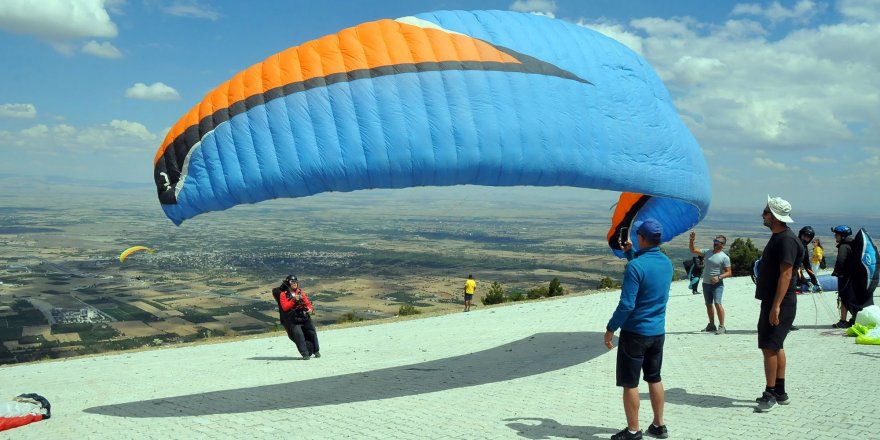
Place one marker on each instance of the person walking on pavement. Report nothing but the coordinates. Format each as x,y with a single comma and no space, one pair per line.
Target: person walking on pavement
776,290
470,286
641,318
717,268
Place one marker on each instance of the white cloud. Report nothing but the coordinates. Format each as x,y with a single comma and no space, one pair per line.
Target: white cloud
860,10
683,28
102,50
22,111
695,70
57,20
814,159
154,92
803,11
764,162
192,9
543,7
116,137
811,89
617,32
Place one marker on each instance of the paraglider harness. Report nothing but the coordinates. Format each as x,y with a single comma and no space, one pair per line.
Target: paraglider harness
299,314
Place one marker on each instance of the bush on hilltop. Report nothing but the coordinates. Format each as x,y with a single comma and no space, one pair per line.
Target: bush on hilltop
408,309
495,295
742,256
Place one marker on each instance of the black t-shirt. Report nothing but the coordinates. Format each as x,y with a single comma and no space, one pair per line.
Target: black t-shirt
843,264
783,247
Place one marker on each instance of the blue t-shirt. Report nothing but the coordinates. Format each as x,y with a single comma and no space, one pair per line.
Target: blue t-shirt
645,292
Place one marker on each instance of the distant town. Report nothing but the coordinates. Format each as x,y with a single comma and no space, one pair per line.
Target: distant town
359,256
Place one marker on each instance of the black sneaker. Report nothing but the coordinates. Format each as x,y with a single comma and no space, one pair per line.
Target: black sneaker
766,402
794,328
658,431
625,435
317,355
781,399
710,328
841,324
305,358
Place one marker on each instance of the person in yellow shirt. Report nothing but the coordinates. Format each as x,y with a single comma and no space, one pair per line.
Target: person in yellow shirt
818,255
469,287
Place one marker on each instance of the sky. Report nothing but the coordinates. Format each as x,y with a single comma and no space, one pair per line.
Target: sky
783,97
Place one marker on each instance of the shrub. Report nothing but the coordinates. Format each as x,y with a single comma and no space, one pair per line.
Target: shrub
555,288
516,295
742,256
538,292
349,317
408,309
608,283
495,295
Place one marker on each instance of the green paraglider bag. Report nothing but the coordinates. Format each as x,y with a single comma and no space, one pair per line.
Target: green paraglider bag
867,340
857,330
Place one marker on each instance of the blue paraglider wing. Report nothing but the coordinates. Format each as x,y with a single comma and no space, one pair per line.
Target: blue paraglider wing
445,98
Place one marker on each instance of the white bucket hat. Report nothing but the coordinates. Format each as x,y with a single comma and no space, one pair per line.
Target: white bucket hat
780,209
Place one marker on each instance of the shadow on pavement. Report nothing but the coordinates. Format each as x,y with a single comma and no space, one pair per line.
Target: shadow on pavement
680,396
873,355
549,428
277,358
727,332
539,353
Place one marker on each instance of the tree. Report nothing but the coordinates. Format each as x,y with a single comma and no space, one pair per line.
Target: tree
742,256
495,295
555,288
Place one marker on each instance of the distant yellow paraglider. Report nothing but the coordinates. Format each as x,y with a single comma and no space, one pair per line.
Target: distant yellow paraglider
132,250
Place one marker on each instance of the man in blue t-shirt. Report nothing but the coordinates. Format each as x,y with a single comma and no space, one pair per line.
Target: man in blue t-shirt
776,290
641,318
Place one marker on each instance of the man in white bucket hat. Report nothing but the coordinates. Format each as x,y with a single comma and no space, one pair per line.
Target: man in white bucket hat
775,287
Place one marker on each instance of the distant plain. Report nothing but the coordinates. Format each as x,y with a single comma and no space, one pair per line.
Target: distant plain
362,254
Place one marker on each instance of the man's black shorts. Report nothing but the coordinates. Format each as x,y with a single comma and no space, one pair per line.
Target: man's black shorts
637,353
773,336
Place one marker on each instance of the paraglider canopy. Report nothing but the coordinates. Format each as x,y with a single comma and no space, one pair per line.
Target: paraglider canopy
132,250
444,98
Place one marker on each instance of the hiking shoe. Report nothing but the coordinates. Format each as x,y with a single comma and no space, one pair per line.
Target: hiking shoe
721,330
317,355
766,402
658,431
841,324
625,435
710,328
781,399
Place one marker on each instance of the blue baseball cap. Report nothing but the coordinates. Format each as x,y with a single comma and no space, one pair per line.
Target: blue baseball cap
651,229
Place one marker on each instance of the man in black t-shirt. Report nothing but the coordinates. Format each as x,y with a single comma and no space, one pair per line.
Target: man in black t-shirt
775,288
